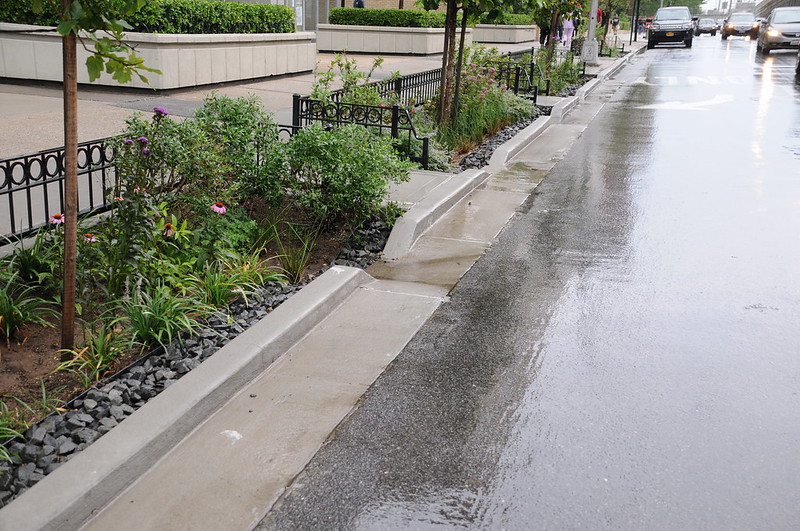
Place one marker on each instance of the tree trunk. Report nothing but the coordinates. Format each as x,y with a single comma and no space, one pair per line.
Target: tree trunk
551,44
448,62
70,63
443,77
459,66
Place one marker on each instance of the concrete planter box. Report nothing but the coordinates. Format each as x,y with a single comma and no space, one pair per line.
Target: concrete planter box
184,60
382,39
505,34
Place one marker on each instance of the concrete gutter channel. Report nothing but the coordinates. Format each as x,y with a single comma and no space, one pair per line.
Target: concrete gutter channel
216,449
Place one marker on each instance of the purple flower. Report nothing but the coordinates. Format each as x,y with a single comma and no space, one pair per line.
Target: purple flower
160,111
142,140
219,208
127,141
145,151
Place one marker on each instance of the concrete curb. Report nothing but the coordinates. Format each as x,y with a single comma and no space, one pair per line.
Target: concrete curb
70,495
425,213
520,141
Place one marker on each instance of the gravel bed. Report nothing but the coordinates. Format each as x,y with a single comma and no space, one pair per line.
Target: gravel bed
60,436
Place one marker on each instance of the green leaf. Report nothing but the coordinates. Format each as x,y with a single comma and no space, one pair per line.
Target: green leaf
94,65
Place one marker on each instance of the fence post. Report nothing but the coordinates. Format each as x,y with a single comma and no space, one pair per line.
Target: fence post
425,154
398,86
296,110
516,79
395,120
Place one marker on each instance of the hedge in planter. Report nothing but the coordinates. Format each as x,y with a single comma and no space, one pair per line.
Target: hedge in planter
393,18
178,16
506,19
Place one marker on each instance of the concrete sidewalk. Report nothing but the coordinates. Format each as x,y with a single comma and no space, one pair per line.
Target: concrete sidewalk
217,448
32,118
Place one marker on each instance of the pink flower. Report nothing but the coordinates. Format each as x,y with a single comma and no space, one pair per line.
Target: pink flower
142,191
219,208
169,230
57,219
118,198
89,237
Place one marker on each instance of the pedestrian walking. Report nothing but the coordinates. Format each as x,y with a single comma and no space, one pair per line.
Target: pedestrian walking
358,3
569,29
615,23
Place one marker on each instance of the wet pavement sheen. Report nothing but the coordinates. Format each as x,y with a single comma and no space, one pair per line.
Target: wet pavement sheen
626,355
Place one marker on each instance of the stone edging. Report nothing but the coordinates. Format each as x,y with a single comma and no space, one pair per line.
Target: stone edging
67,497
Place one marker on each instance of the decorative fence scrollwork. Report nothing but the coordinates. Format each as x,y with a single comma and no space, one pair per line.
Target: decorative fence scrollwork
32,186
392,120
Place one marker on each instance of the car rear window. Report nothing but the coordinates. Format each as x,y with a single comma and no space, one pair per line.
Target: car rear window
787,16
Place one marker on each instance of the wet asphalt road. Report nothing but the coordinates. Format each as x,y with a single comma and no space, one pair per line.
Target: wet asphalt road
627,355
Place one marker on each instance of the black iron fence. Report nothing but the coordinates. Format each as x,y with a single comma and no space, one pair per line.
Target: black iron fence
392,120
409,90
32,186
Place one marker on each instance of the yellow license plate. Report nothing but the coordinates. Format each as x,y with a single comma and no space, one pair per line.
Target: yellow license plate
670,34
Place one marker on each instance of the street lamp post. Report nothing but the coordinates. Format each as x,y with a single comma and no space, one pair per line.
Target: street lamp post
589,49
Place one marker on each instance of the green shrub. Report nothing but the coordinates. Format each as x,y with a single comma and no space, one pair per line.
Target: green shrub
395,18
175,16
343,173
505,19
354,84
248,139
165,158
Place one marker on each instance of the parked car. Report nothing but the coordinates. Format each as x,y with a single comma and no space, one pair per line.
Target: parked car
705,25
740,24
780,30
797,67
671,25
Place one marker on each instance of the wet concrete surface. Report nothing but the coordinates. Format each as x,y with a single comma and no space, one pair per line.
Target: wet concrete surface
626,354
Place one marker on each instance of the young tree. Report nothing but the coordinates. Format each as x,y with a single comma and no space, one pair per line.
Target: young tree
98,25
469,9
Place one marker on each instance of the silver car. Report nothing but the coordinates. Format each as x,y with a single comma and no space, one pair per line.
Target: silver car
781,30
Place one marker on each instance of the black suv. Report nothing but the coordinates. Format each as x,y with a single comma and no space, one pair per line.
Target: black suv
671,24
741,24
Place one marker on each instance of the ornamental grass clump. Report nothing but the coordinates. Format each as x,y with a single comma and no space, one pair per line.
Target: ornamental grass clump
156,315
20,306
103,344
